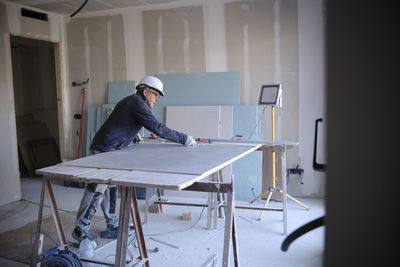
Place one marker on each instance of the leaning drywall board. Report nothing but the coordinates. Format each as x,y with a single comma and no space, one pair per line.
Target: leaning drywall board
119,90
159,113
200,89
248,170
201,121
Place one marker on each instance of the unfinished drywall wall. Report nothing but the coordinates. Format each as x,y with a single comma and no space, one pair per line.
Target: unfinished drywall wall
259,38
174,40
96,50
9,175
262,42
11,22
39,27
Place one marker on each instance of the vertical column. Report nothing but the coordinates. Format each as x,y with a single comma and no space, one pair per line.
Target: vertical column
284,189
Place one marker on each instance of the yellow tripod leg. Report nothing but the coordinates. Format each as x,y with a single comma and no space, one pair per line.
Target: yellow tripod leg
266,204
260,196
295,200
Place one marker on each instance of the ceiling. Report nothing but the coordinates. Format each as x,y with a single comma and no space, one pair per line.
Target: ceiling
70,6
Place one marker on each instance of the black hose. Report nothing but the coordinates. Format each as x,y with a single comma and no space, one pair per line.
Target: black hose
79,9
301,231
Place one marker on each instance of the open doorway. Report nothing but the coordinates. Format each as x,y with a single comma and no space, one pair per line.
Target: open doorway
36,103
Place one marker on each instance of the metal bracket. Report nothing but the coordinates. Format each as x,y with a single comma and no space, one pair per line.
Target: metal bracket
274,189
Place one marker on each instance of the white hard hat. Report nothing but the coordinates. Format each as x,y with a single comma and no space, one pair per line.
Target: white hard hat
153,82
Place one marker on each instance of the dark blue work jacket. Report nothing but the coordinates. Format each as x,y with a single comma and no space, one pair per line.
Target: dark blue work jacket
127,119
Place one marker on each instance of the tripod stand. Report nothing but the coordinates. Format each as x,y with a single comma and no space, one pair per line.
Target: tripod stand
274,189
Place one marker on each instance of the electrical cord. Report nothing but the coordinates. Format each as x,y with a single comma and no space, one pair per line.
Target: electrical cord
44,205
79,9
181,231
254,196
257,124
13,211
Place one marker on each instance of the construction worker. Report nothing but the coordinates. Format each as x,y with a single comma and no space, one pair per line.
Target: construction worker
122,126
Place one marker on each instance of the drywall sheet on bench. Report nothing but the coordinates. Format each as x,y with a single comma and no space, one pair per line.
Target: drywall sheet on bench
201,89
163,157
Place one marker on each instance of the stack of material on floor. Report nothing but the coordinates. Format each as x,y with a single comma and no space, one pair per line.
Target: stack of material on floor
37,148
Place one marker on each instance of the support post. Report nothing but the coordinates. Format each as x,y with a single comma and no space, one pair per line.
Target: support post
39,225
56,215
138,228
122,240
230,230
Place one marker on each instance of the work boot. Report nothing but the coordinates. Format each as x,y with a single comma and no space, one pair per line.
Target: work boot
78,235
112,232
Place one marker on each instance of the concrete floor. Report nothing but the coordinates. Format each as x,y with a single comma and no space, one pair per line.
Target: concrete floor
259,241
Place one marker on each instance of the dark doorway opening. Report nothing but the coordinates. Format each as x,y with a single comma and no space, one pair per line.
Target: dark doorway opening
35,100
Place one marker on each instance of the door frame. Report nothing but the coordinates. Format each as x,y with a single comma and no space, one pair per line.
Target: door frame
59,88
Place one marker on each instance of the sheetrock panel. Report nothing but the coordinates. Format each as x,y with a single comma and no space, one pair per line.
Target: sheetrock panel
247,122
39,27
248,176
200,89
174,40
201,121
226,122
9,174
96,50
159,113
119,90
165,157
248,170
155,179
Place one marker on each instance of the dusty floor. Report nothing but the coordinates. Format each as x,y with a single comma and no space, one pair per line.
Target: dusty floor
259,241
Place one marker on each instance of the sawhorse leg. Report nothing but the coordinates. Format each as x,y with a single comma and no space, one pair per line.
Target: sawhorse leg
230,225
46,188
220,196
230,230
129,206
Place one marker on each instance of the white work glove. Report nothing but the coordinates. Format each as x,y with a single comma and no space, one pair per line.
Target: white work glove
190,141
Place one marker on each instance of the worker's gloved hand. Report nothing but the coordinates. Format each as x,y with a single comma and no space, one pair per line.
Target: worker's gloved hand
190,141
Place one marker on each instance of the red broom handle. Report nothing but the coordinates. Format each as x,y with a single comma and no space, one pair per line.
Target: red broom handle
80,127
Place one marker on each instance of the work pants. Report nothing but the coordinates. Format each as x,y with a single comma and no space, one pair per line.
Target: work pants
94,195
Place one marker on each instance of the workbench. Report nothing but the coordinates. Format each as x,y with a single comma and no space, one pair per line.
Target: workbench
152,165
215,201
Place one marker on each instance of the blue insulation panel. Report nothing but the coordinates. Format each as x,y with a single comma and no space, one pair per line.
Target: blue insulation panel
118,90
159,113
247,170
201,89
248,176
